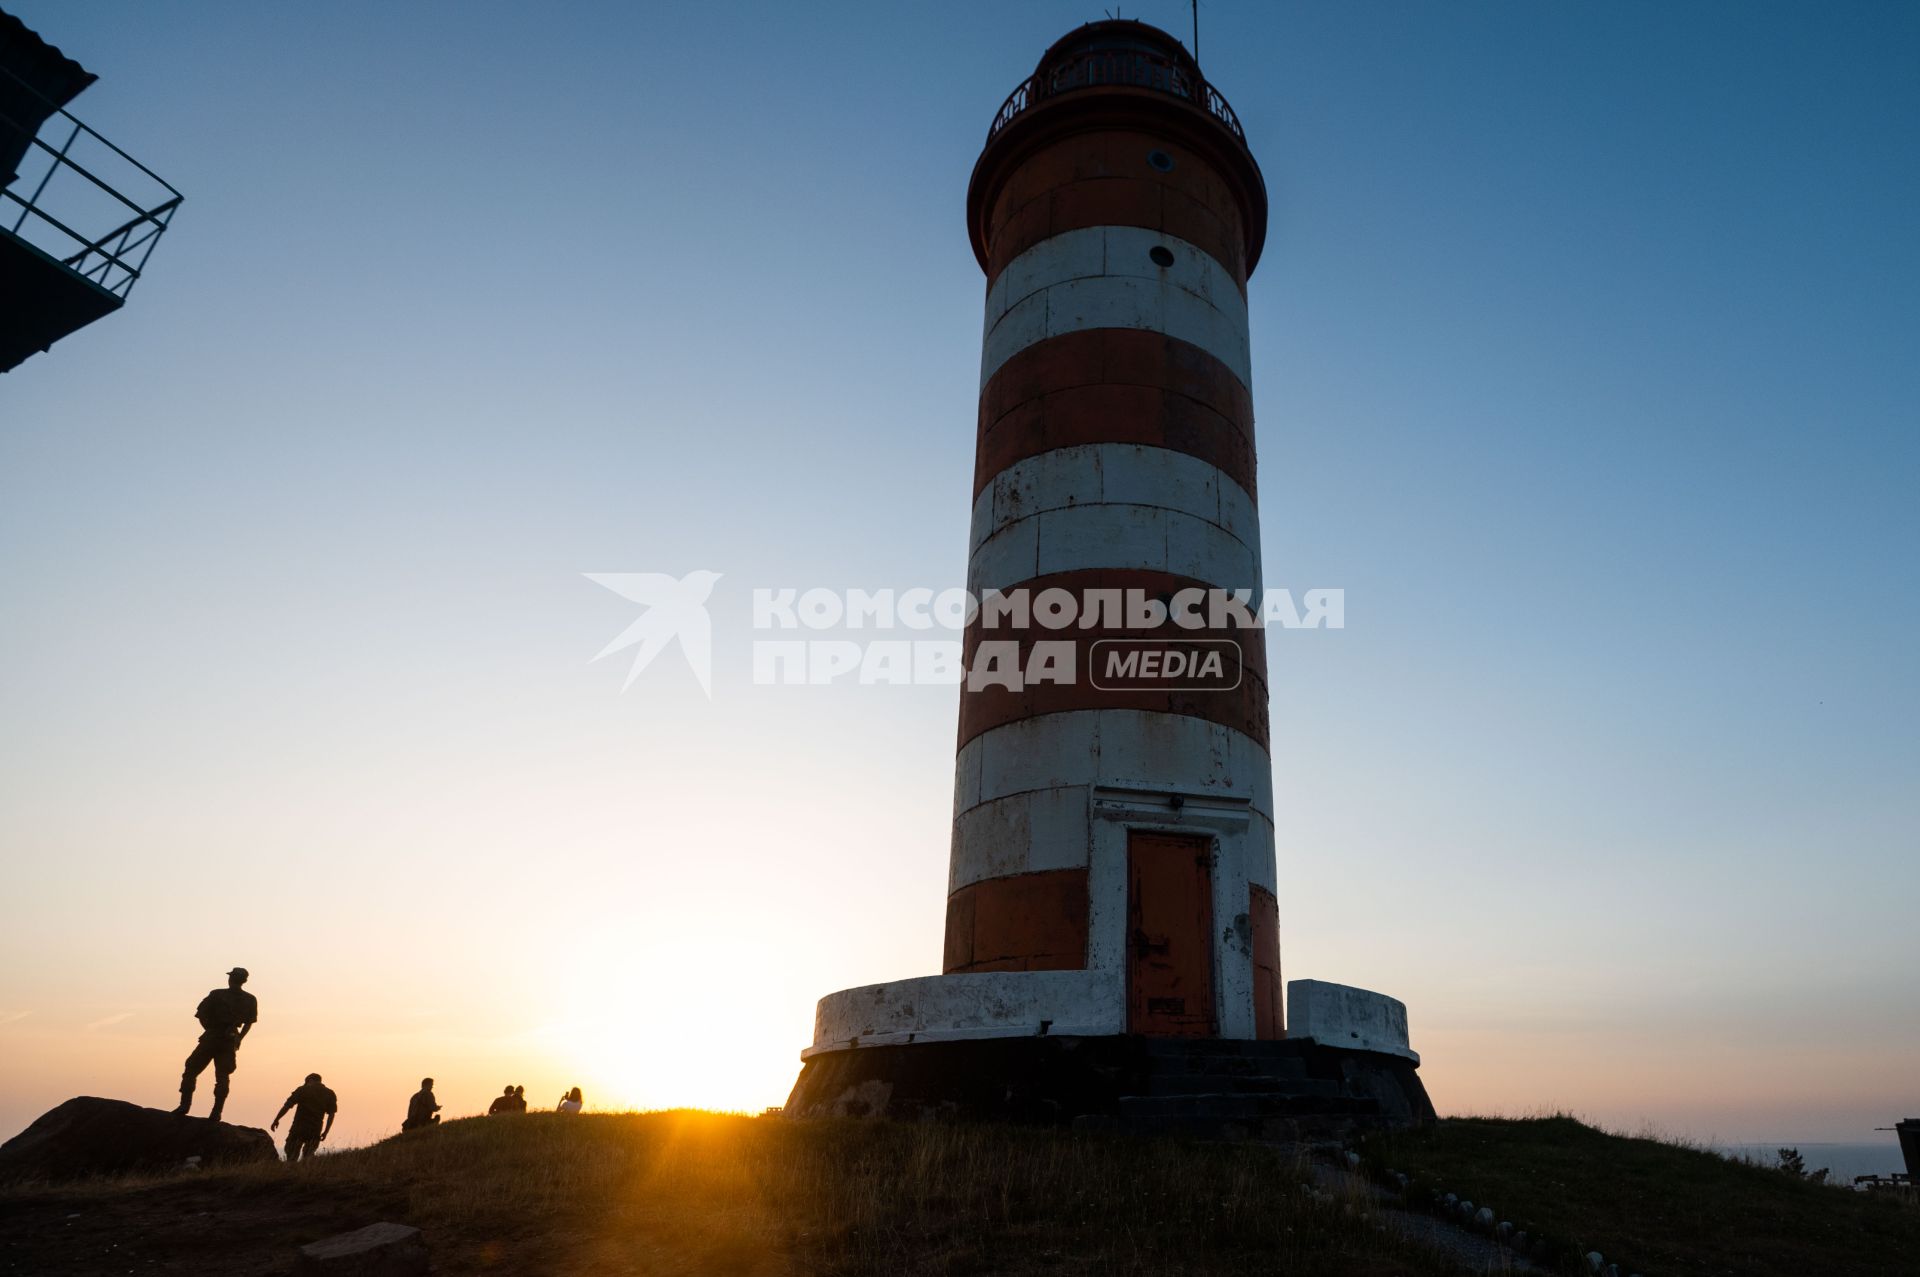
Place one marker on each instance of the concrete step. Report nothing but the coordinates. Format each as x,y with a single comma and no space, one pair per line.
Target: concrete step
1218,1051
1287,1128
1226,1106
1239,1116
1249,1084
1218,1046
1225,1066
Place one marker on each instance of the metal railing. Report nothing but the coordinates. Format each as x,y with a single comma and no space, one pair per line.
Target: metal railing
113,260
1126,67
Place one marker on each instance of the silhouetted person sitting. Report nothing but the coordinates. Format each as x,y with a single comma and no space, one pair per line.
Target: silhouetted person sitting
502,1103
570,1102
225,1015
519,1099
422,1109
310,1102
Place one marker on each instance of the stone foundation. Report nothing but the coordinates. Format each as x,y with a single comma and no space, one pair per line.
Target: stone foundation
1192,1086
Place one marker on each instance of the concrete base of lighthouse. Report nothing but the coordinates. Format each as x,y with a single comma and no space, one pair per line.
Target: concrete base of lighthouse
1051,1047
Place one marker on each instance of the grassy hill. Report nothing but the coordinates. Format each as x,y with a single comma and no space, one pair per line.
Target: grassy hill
687,1192
1654,1207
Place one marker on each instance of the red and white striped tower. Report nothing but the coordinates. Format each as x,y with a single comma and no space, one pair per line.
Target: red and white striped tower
1117,212
1112,867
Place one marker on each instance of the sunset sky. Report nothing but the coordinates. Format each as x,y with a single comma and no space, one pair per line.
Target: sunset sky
1584,356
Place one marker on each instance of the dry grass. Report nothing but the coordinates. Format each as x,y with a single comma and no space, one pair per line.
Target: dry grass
688,1192
1654,1205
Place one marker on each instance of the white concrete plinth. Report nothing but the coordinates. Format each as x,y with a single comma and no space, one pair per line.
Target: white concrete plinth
1340,1015
987,1004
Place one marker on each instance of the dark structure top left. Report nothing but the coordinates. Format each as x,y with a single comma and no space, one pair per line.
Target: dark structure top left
78,216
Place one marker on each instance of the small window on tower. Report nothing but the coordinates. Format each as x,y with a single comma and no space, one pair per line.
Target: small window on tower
1160,160
1161,255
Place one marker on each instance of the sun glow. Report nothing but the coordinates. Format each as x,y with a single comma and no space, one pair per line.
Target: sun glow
652,1029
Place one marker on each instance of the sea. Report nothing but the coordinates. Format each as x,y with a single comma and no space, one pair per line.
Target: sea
1844,1160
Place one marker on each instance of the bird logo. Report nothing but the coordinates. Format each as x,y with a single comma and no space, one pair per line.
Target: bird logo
676,609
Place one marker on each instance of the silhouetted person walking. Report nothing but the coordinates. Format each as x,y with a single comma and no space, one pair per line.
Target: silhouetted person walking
225,1015
502,1103
310,1102
422,1109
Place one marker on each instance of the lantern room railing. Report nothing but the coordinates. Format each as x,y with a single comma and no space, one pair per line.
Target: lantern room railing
69,188
1130,67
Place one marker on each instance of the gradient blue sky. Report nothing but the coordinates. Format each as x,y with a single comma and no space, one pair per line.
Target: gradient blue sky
1585,362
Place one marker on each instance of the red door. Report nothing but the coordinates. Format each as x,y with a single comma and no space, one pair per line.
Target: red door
1169,935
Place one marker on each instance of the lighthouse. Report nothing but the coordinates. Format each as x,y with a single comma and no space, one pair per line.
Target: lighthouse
78,215
1112,823
1112,939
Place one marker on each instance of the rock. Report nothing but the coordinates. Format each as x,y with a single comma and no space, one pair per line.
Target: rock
89,1136
378,1250
1483,1218
1449,1201
1464,1210
1594,1261
1353,1161
1504,1230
